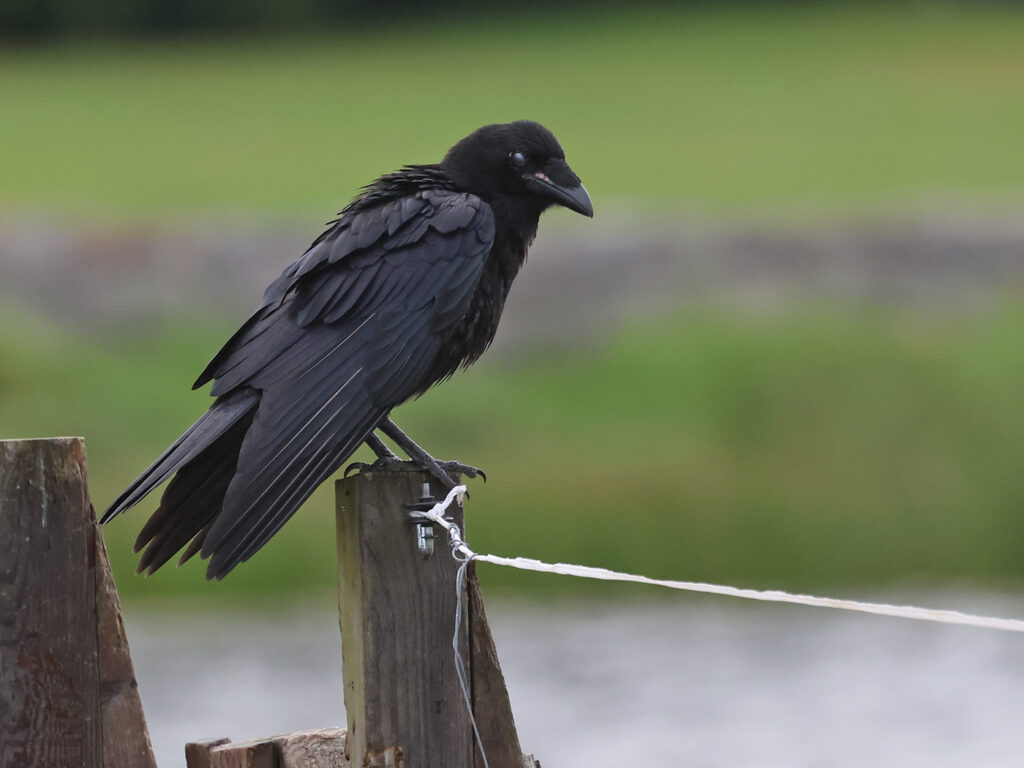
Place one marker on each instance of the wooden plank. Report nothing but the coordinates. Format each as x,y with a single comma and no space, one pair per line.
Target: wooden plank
197,753
397,615
125,735
260,753
50,707
324,748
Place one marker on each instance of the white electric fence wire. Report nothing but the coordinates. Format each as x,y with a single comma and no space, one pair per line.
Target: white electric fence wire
464,553
770,596
464,556
460,664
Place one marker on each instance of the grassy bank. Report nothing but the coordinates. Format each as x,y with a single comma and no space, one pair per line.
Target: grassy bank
809,447
838,105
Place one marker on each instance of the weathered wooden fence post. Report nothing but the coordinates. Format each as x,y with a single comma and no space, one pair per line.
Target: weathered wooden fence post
397,615
67,689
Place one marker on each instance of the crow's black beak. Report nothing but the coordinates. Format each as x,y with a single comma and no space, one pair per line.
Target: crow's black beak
572,196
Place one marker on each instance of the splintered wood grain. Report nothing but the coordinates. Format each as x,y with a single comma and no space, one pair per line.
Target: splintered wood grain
256,754
397,616
125,735
491,706
324,748
49,707
321,748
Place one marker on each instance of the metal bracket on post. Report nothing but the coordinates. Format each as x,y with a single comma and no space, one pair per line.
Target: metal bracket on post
425,533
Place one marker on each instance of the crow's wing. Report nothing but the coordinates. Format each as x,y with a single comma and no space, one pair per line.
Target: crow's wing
349,331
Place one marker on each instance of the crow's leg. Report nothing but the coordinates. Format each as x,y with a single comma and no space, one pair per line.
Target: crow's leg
446,472
386,458
377,445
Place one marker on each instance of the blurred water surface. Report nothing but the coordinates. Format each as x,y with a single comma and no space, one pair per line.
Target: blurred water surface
689,682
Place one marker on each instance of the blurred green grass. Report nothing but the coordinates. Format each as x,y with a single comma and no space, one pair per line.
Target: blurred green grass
744,107
810,447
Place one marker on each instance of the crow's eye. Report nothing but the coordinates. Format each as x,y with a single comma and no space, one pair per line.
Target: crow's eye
517,159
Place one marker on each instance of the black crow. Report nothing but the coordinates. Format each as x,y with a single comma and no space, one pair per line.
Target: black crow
404,287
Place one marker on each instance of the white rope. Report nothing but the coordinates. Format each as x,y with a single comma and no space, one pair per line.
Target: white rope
463,553
771,596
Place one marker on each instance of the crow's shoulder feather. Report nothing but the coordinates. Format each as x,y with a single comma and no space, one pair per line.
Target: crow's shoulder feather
386,246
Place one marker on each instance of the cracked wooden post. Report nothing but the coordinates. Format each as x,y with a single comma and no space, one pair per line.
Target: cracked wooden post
397,615
69,697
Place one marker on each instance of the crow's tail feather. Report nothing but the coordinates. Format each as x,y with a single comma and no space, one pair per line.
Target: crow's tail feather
191,501
220,420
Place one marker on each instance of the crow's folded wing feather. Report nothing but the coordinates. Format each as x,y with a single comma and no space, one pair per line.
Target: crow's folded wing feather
349,331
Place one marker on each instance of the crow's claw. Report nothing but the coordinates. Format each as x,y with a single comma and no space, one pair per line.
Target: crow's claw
380,465
458,468
356,466
447,472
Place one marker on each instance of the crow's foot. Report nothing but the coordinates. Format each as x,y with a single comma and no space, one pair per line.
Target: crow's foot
446,472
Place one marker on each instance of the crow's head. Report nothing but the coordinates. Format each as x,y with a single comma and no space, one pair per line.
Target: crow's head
521,162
